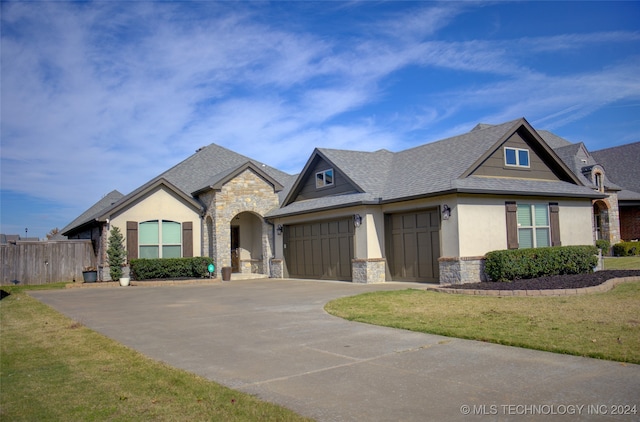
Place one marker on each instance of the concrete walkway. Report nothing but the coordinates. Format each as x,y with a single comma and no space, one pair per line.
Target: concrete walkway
273,339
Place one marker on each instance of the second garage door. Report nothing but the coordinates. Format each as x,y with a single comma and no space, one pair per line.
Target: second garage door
321,250
413,245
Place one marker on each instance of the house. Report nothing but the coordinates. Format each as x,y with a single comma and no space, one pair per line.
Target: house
622,166
428,214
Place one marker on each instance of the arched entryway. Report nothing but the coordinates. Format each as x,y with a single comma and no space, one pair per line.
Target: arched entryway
601,224
247,254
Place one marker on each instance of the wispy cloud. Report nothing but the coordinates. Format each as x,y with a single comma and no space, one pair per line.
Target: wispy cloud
106,95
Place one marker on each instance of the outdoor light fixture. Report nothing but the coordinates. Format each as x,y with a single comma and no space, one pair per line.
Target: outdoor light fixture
357,220
279,229
446,212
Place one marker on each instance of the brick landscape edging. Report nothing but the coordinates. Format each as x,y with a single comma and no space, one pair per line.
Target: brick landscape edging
600,288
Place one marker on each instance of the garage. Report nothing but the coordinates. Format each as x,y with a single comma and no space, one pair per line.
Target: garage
413,245
320,250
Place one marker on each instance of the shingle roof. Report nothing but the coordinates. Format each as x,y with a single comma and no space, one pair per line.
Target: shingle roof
621,165
428,170
94,211
205,168
212,163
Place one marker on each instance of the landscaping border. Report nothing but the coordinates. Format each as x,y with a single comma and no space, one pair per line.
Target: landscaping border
600,288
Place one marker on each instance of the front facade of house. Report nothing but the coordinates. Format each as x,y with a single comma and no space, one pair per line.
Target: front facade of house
428,214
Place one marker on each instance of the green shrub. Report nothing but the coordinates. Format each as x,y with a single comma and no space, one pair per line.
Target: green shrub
604,246
518,264
146,269
626,249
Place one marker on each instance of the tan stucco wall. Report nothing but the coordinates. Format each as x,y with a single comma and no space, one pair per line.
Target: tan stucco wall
160,205
483,227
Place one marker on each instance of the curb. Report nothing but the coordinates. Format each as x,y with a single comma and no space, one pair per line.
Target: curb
600,288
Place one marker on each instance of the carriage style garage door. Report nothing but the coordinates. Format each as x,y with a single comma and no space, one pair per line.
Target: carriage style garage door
413,245
321,250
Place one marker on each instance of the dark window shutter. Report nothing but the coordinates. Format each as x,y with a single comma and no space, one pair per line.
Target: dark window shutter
187,239
554,221
512,225
132,240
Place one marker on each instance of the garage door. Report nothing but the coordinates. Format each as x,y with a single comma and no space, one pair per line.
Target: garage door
321,250
413,245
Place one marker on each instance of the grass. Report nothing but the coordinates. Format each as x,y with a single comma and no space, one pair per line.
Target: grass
602,325
53,368
622,263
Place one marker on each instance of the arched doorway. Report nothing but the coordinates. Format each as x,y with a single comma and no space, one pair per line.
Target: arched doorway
601,224
246,243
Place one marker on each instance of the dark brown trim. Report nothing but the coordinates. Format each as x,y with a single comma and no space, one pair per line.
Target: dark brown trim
554,222
187,239
132,240
511,209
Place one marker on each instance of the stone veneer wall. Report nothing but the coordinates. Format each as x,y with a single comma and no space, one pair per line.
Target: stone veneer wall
611,225
277,268
459,270
368,270
247,192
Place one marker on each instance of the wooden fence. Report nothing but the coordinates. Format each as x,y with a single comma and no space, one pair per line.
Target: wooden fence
32,263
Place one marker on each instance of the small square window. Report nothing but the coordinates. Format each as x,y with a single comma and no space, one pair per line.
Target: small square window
324,178
516,157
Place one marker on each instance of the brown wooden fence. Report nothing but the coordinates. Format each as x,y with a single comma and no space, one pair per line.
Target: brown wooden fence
45,262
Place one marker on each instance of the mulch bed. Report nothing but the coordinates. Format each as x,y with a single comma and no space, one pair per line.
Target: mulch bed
574,281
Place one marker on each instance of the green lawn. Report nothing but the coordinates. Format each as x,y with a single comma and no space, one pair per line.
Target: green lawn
622,263
55,369
602,325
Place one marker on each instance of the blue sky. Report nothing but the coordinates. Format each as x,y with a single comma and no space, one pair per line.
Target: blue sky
98,96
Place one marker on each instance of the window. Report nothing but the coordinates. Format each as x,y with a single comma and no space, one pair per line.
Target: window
324,178
598,181
516,157
534,230
160,239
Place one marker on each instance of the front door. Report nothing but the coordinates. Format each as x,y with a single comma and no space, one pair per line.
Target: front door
235,249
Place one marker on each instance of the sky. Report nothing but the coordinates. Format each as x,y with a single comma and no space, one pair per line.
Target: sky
105,95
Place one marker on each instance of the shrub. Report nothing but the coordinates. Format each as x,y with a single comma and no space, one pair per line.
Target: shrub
626,249
604,246
145,269
116,253
518,264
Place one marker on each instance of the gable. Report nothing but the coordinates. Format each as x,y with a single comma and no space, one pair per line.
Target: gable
310,188
541,164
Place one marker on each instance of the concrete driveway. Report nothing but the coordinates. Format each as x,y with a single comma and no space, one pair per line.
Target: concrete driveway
272,338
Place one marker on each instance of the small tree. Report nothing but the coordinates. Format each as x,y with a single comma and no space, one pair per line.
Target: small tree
116,253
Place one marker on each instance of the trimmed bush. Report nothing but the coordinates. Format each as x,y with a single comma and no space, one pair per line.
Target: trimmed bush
147,269
516,264
604,246
626,249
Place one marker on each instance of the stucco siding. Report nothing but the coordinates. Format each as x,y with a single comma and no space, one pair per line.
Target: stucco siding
576,222
160,205
482,225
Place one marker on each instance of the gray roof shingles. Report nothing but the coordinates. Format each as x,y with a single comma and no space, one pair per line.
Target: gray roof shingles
622,165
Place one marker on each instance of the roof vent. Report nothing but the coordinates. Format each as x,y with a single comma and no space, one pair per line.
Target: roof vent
200,149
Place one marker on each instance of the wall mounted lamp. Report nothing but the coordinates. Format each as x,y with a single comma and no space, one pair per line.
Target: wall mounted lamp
357,220
279,229
446,212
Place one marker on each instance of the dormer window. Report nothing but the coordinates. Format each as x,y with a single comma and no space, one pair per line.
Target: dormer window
324,178
516,157
598,181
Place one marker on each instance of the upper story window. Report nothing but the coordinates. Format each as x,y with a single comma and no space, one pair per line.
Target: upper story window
516,157
598,181
324,178
160,239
